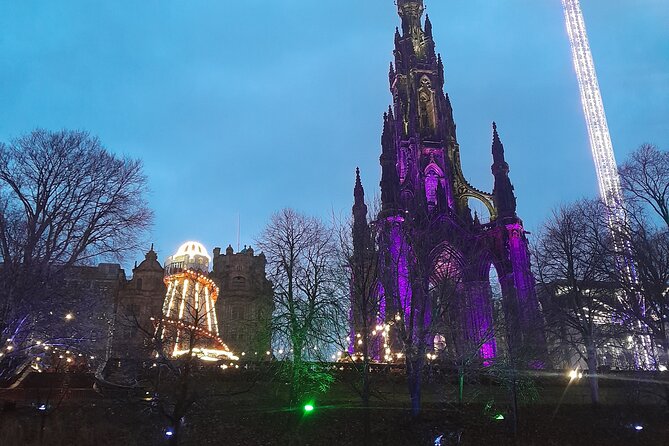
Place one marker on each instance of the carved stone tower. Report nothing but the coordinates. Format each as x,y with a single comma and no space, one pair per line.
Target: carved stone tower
434,256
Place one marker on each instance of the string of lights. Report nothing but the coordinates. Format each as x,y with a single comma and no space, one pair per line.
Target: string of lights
601,146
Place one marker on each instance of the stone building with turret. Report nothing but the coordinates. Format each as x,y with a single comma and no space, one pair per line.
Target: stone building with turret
138,303
245,303
243,308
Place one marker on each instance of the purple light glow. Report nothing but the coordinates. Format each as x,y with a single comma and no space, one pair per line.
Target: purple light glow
399,256
522,276
480,319
431,180
399,264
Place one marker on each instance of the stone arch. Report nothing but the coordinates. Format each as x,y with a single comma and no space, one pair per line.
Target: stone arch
466,196
475,307
447,264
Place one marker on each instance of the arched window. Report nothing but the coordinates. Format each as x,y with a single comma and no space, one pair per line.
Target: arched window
432,177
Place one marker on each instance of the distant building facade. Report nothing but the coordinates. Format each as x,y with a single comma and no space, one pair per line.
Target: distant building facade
90,297
613,339
139,302
245,303
120,315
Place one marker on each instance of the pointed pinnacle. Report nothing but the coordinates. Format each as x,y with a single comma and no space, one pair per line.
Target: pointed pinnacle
358,191
495,136
497,146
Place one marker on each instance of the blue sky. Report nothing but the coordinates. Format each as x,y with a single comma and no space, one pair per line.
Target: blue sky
242,108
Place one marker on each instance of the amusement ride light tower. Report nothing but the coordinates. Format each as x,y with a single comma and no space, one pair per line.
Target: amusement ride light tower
593,108
189,323
601,146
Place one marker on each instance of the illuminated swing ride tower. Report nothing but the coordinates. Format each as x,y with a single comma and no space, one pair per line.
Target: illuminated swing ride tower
593,109
189,320
602,147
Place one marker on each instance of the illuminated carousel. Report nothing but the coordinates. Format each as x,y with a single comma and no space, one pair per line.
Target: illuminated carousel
189,324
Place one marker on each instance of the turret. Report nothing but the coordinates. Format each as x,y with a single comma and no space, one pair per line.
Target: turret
428,27
389,178
505,201
358,192
410,11
360,225
151,255
440,70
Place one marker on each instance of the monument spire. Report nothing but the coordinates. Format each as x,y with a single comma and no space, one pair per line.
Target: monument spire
360,226
411,12
505,201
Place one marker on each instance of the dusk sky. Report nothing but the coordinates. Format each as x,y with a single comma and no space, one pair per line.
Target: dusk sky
242,108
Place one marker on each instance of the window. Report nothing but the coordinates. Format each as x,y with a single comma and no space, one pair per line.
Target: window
238,282
431,181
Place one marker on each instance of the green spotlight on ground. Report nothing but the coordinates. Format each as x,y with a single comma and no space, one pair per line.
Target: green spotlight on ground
499,416
308,408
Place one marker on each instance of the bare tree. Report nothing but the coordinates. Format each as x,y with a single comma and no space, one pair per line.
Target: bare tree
645,179
646,284
175,345
451,304
302,258
64,201
578,300
361,333
414,262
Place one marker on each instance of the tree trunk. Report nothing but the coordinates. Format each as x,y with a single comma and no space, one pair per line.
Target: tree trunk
666,360
414,375
461,384
365,400
295,374
592,371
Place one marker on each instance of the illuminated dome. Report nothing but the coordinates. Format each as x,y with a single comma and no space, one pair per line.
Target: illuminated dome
191,249
190,255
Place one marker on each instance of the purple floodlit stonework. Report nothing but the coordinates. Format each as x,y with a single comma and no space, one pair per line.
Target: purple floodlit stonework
398,252
432,252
